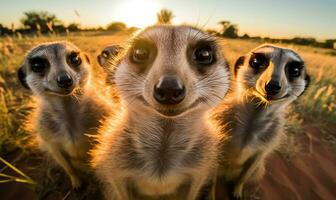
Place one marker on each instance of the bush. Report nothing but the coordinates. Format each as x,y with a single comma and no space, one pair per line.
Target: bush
117,26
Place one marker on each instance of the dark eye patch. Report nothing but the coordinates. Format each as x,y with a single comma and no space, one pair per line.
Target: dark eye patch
202,55
105,54
294,68
38,64
259,61
142,52
74,59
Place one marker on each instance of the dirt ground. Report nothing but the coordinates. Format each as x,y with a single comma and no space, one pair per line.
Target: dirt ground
309,174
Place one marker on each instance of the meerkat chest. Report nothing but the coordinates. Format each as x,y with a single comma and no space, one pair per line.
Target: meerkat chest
63,129
256,128
165,152
60,124
163,161
254,132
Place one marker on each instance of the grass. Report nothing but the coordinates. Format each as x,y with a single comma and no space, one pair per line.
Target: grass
317,104
8,178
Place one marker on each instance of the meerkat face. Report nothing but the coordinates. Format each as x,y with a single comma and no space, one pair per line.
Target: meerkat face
172,69
55,68
108,54
272,73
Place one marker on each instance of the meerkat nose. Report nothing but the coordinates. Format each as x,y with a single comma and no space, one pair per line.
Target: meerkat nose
64,80
169,90
273,87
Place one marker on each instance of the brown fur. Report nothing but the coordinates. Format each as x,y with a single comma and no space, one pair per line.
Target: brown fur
153,151
63,118
252,122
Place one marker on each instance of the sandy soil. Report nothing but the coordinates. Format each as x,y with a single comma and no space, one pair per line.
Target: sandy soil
311,174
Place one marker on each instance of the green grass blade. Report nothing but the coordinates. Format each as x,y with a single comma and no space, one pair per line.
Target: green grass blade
7,176
6,181
13,178
14,168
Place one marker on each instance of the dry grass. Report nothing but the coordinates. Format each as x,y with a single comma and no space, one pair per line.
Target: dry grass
317,104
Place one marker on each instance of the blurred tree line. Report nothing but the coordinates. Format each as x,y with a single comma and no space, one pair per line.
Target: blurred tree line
39,22
230,30
34,22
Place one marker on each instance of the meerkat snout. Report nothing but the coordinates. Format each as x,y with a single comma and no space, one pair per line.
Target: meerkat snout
169,90
272,87
64,80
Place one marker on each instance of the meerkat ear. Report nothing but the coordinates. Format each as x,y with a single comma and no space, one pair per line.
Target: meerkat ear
22,77
239,62
307,79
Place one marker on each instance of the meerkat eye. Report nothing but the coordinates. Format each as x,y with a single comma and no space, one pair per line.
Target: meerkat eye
204,55
105,54
258,60
140,54
38,64
75,59
294,68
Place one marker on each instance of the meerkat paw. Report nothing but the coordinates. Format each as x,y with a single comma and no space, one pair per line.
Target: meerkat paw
238,191
75,182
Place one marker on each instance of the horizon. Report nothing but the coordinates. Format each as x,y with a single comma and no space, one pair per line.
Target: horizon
258,18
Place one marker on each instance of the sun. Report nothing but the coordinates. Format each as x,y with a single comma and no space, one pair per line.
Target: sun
139,13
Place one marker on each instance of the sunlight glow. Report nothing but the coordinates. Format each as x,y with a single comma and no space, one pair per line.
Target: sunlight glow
139,13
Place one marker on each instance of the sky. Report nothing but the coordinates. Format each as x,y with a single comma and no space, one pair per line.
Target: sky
276,19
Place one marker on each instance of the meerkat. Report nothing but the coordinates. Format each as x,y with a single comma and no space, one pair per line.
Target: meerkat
68,107
162,145
267,80
106,60
108,54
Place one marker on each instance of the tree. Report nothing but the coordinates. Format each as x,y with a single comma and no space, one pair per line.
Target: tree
229,30
330,44
212,32
117,26
73,27
225,24
245,36
132,29
4,30
1,29
164,16
41,21
304,41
